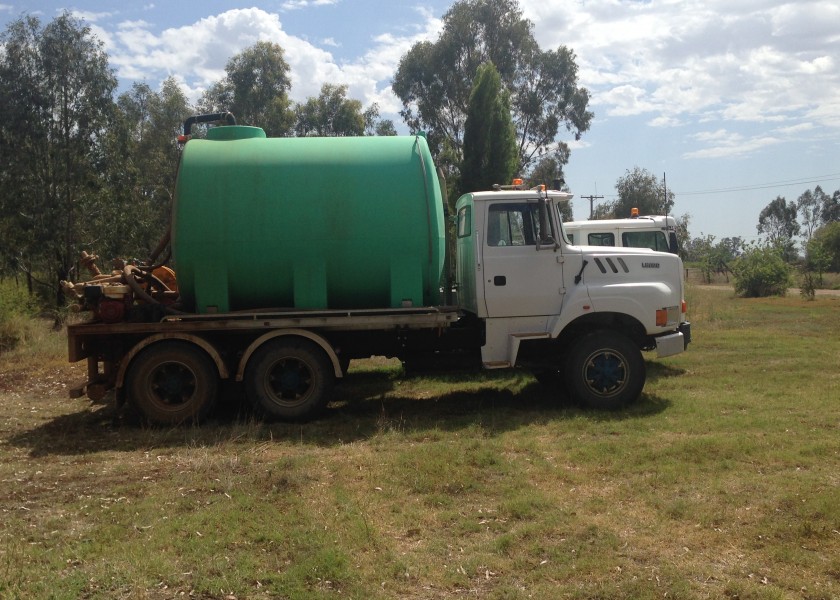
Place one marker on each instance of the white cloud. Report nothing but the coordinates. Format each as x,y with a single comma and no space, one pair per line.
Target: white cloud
90,16
701,59
196,54
725,144
761,68
299,4
797,129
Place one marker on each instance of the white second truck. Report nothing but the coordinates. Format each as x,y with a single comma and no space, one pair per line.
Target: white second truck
657,232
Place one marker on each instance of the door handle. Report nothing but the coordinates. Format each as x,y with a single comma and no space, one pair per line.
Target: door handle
499,280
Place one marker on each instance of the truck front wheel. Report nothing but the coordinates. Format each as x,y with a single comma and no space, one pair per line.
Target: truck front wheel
289,380
605,370
172,382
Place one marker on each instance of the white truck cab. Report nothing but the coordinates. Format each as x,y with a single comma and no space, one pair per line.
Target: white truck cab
587,311
655,232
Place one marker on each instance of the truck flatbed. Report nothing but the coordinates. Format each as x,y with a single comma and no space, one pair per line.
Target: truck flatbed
371,319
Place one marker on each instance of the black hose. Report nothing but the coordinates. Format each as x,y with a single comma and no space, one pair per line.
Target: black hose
131,281
227,117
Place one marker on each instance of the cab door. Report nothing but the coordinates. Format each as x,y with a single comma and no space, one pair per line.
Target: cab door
522,265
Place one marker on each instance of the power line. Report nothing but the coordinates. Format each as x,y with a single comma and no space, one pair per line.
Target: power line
744,188
764,186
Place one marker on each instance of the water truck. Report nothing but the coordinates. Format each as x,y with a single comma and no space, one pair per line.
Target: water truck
289,257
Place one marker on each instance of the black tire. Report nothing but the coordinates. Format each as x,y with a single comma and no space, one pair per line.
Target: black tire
605,371
172,382
289,380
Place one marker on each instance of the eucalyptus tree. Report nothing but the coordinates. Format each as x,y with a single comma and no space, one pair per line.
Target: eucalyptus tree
549,172
255,89
640,189
332,114
434,81
56,89
777,221
140,166
810,205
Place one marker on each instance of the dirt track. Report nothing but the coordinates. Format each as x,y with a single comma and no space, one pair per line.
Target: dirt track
791,291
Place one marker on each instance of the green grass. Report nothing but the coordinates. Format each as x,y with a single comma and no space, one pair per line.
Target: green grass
722,482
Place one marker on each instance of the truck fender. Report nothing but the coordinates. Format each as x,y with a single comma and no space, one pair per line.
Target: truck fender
324,344
203,344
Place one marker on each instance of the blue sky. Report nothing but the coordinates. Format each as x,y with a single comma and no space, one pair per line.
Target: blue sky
735,101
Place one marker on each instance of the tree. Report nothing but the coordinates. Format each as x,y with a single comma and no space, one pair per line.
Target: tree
384,127
777,221
548,171
683,236
433,81
831,208
140,166
824,247
489,137
332,113
56,89
640,189
810,205
376,126
255,89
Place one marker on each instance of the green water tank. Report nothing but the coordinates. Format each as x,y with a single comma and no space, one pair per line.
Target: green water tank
309,223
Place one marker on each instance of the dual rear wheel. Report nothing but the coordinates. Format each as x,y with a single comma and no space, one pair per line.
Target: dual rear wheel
289,379
173,382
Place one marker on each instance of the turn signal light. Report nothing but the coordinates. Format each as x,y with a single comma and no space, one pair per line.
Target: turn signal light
662,317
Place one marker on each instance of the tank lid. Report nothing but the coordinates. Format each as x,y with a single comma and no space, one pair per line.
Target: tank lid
234,132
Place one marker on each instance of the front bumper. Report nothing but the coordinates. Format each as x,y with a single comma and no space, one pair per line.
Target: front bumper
685,329
674,343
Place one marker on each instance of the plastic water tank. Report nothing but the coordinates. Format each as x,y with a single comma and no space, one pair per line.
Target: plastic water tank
307,223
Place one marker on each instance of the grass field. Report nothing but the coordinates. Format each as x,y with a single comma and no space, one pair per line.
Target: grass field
722,482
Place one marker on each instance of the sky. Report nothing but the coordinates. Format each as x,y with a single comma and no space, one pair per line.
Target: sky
733,102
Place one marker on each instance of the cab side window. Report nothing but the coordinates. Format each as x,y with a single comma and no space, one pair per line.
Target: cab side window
509,225
464,222
601,239
517,224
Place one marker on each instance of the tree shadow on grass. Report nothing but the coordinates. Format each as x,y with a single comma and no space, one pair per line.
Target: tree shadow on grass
367,404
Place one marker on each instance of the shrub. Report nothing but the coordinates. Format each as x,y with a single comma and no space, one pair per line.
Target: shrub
761,271
16,307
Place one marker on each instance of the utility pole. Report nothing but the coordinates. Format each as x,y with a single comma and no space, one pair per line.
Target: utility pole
591,204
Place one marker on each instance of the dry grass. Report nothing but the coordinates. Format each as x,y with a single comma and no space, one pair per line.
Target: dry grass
721,482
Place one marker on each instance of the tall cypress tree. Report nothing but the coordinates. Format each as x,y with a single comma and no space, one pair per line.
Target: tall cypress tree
490,152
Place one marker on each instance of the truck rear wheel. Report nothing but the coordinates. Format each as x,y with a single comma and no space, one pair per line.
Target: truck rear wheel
289,379
172,382
605,370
